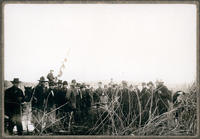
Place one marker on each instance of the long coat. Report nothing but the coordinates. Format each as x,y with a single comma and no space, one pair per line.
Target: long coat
162,98
96,95
50,99
125,99
13,99
71,96
145,99
39,95
60,96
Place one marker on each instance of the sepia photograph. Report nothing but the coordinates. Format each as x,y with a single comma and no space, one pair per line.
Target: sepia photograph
104,69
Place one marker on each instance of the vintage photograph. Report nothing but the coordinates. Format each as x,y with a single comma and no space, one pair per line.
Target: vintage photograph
100,69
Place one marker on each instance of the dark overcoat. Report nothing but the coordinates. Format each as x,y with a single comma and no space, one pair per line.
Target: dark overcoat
39,95
162,98
14,97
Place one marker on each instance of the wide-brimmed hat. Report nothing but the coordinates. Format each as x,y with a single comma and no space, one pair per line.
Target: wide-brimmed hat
42,79
15,80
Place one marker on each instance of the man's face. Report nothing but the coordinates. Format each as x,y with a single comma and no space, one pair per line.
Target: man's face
159,83
124,85
99,85
144,85
51,87
43,83
149,86
83,89
65,86
16,84
59,85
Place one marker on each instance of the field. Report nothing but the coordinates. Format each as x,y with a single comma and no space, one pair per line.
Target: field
107,120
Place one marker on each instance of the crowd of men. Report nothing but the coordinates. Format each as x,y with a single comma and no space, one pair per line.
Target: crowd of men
77,97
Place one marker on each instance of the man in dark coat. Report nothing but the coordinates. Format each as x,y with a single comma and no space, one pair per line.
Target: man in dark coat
14,97
50,97
39,95
85,102
38,103
145,103
134,105
125,100
60,97
152,103
163,97
71,95
97,93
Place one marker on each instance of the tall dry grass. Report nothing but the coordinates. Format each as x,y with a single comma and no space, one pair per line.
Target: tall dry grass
108,119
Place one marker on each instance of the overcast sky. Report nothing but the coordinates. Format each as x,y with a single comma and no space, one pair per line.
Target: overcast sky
135,42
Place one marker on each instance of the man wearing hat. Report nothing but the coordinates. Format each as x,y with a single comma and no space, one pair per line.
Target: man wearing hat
85,102
152,100
163,96
50,97
98,92
60,97
125,99
14,97
39,95
145,96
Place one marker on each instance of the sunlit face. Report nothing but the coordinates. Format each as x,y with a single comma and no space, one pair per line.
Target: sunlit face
65,86
83,89
99,85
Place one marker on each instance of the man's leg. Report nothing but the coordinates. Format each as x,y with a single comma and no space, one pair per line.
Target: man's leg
19,127
19,124
11,125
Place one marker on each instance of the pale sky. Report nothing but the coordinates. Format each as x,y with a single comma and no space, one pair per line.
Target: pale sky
134,42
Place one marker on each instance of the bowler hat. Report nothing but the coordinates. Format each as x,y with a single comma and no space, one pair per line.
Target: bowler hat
143,83
59,81
99,82
124,82
42,79
73,81
150,83
16,80
65,83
